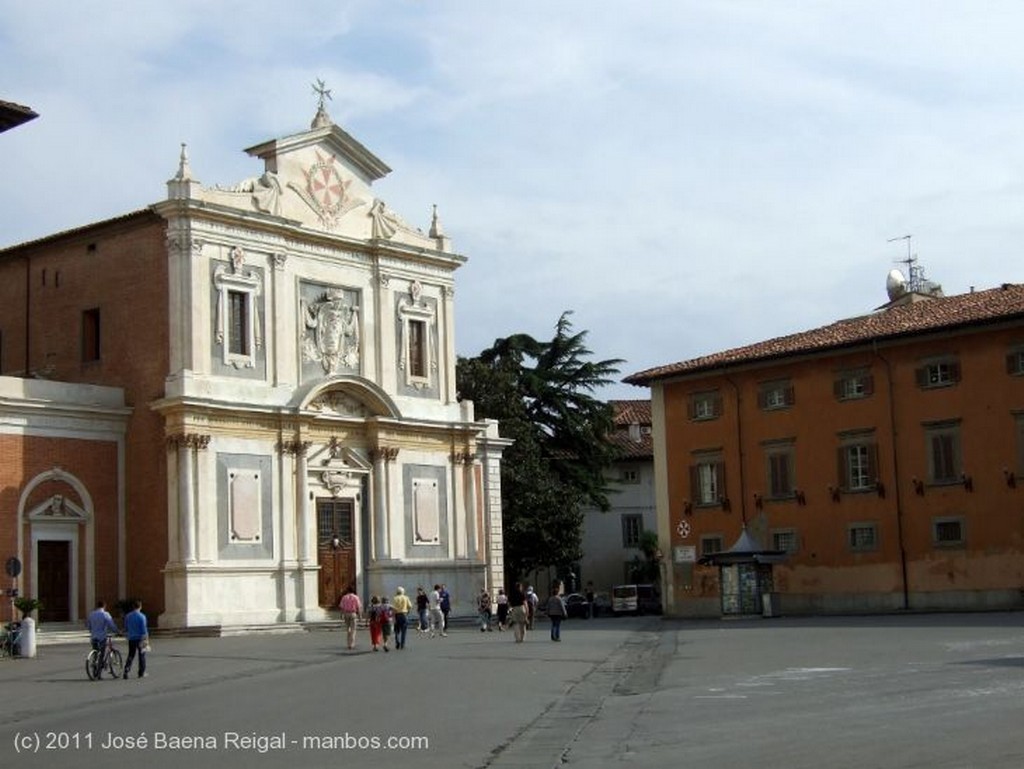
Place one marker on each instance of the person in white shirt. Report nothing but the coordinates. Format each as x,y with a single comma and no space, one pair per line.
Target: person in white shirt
436,615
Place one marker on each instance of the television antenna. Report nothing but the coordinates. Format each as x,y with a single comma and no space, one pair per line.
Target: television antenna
915,272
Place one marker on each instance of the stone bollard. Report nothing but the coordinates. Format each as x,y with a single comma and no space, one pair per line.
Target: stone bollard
28,637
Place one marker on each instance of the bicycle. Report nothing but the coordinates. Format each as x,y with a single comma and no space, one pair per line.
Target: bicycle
10,640
106,659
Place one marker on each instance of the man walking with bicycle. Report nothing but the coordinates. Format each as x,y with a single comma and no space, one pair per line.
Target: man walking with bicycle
100,625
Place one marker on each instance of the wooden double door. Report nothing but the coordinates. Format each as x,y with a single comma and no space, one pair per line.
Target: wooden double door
54,576
336,552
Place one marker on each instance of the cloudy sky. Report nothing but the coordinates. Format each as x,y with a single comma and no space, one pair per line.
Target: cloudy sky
684,176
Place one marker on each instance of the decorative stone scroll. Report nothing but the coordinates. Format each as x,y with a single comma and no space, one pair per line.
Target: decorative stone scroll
192,441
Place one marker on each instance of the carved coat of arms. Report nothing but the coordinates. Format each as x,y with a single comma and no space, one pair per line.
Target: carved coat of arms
332,332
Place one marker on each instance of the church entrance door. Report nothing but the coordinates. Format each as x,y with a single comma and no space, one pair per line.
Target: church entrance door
54,580
336,550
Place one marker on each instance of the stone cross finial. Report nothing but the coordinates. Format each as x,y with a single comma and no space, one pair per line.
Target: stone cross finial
323,93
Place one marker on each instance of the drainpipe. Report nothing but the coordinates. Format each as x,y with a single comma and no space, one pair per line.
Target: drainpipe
896,475
739,448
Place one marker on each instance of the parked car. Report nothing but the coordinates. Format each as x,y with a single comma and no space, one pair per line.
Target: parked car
636,599
576,605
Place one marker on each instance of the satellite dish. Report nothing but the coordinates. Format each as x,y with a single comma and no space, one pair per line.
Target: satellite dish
895,285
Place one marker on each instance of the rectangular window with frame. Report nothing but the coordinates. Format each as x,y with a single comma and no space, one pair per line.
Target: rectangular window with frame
705,406
938,373
948,532
91,335
943,446
707,479
238,322
858,461
862,537
853,385
785,540
629,475
780,461
776,395
711,543
1015,362
417,348
632,528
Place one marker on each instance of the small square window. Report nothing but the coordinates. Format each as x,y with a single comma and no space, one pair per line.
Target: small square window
705,406
943,373
853,385
862,537
948,532
776,395
786,540
630,475
711,544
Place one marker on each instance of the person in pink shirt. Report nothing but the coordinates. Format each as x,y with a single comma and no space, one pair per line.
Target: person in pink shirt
351,607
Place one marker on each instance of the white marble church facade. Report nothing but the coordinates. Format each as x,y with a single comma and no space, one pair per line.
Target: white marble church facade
313,432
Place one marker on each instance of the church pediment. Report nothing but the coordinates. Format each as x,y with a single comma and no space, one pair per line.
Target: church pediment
348,396
321,178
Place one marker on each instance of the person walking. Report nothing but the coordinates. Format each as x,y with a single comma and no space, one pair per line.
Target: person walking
502,602
137,630
375,630
436,615
387,618
446,605
351,607
517,611
484,608
531,607
100,625
556,610
422,603
401,606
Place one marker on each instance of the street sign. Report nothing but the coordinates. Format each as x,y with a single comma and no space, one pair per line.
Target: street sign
684,554
12,567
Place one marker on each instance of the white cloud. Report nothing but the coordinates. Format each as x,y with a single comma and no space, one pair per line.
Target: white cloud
687,176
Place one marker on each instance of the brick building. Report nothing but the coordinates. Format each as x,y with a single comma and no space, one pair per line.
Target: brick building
285,346
884,454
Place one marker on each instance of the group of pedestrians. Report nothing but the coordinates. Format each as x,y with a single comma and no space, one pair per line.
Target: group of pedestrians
101,626
517,610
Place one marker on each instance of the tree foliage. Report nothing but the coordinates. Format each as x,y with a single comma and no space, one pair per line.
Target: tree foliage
542,393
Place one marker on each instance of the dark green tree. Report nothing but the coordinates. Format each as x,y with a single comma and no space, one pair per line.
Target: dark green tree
542,393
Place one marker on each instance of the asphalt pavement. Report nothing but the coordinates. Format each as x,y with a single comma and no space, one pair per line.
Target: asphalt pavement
937,691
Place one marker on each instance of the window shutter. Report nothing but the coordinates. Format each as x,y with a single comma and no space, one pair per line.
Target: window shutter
922,376
716,405
843,471
762,398
789,395
869,384
720,476
1011,363
954,371
694,484
691,407
838,387
873,462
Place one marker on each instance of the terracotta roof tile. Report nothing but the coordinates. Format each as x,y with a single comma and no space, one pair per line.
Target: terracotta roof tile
632,412
927,316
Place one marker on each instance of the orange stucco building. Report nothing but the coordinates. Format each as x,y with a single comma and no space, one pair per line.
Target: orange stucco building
883,455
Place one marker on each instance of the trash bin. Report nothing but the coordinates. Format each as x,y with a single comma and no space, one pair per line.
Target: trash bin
769,604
